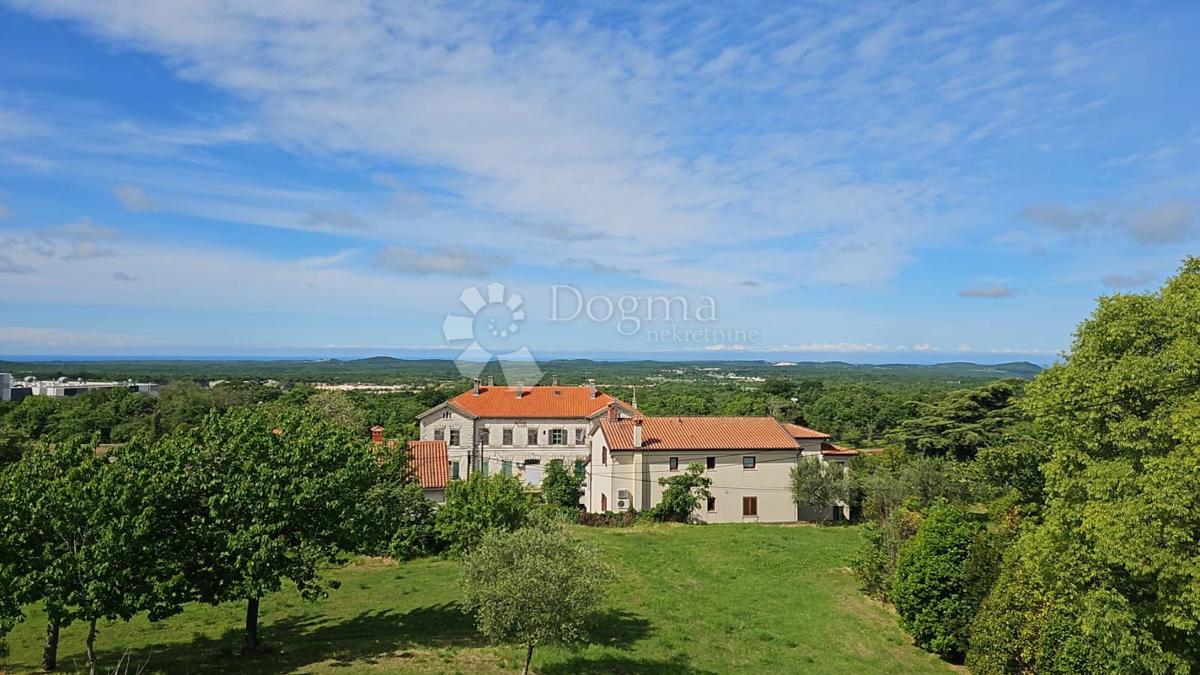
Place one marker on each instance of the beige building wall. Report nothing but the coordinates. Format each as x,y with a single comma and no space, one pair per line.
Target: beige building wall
613,475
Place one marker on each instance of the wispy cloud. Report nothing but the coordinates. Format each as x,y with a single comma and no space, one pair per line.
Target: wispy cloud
1169,222
987,292
88,250
124,276
7,266
452,260
1121,280
332,220
593,265
133,198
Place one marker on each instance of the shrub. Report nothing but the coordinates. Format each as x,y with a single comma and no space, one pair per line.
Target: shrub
560,487
480,504
610,518
682,494
931,590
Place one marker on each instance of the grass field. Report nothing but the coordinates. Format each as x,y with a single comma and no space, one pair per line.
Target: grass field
712,599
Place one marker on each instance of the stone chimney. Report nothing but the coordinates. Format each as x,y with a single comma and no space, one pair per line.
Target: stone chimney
637,432
612,411
553,380
591,388
491,381
520,389
377,434
475,387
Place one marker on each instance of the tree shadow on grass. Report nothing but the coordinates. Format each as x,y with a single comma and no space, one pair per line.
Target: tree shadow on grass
296,641
612,664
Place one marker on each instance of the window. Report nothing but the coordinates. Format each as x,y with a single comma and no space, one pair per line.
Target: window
445,414
710,463
673,463
558,437
506,467
454,470
604,455
439,434
506,437
712,503
532,436
579,433
749,506
532,462
454,437
749,462
485,436
603,502
579,467
483,466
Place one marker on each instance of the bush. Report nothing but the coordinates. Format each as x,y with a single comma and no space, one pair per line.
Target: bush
610,518
682,494
478,505
931,590
874,564
560,487
397,520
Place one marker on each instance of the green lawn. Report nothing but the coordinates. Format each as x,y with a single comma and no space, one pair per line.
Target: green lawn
685,599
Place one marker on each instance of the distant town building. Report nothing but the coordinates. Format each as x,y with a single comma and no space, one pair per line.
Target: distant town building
518,430
13,390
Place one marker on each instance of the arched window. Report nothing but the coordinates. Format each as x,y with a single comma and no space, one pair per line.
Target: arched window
604,455
604,502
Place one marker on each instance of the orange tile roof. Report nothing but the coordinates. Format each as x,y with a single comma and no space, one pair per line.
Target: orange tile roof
429,462
534,402
700,433
837,450
798,431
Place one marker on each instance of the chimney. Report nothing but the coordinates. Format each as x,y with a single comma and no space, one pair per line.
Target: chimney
520,389
491,381
637,433
591,388
634,401
475,387
612,411
377,434
553,380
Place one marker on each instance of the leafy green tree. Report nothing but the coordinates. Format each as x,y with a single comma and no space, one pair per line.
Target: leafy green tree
962,422
13,443
682,494
338,408
475,506
182,403
535,586
96,536
1016,469
1108,581
270,494
817,486
395,518
930,590
560,487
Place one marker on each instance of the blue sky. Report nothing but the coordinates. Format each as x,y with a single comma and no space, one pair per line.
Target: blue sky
866,181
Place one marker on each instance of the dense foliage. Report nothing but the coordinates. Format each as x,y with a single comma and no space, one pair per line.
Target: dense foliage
681,494
561,487
817,485
534,586
478,505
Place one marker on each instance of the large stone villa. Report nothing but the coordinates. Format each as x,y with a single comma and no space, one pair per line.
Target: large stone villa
518,430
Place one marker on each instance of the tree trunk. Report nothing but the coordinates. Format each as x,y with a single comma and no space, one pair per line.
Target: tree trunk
50,647
91,647
528,658
250,643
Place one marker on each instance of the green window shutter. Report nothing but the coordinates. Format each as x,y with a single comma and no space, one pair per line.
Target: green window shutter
506,467
579,467
483,466
454,470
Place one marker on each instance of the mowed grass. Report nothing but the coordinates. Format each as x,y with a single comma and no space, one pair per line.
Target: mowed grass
684,599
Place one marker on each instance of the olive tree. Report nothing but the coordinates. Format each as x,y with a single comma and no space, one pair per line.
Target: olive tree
682,494
534,586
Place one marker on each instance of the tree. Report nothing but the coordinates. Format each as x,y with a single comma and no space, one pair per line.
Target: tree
338,408
931,591
475,506
96,535
561,488
962,422
816,485
534,586
682,494
1108,580
269,497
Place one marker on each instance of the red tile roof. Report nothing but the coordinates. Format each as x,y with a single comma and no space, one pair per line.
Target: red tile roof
429,462
700,433
534,402
798,431
837,450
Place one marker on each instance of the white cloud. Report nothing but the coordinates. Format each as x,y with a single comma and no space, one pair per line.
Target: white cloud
987,292
88,250
1168,222
7,266
133,198
81,228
